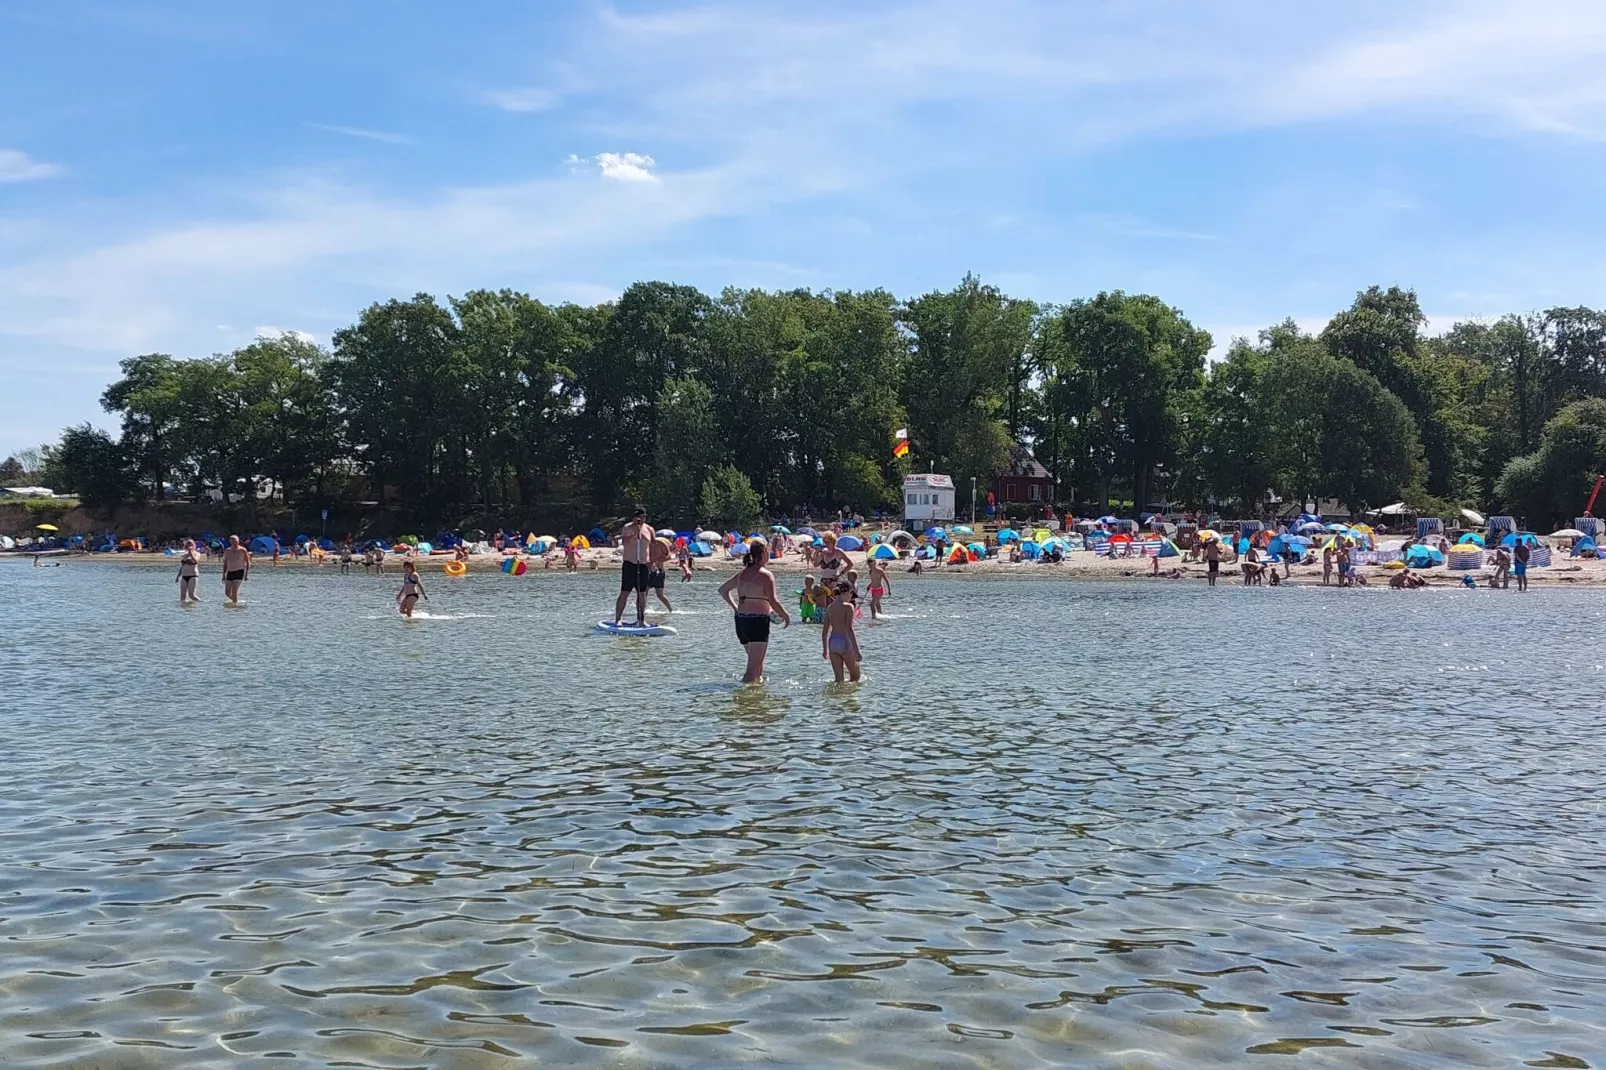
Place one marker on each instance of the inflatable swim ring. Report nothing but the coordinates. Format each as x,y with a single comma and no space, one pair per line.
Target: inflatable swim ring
455,568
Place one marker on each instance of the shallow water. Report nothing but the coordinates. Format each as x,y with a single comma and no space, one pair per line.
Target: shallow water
1139,825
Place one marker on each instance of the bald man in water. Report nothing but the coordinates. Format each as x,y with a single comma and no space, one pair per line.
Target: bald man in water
236,569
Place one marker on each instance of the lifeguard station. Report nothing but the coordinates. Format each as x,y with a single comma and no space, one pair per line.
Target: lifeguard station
928,499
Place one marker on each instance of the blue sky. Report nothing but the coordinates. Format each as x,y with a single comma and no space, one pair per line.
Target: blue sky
178,177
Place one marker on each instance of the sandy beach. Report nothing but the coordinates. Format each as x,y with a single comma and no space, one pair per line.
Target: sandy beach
1078,565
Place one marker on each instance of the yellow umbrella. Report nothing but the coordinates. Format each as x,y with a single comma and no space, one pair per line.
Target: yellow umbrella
1363,528
1209,535
47,527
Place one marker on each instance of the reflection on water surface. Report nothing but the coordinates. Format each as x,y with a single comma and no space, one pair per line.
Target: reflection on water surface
1139,825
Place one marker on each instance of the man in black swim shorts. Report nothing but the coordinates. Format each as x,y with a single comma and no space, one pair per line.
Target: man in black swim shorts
634,572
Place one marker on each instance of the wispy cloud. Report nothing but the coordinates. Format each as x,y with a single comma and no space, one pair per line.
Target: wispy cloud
526,99
285,332
1131,226
16,166
621,166
364,133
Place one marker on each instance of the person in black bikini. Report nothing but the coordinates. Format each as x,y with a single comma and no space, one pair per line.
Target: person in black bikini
754,601
635,543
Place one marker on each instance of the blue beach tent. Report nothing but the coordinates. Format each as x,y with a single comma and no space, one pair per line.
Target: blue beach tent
850,542
262,544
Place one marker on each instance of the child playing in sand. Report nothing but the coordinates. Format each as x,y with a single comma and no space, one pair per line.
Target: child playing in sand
412,590
838,643
880,584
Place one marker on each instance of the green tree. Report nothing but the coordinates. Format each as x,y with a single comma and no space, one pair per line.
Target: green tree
399,382
688,448
964,348
728,499
145,398
91,464
1551,484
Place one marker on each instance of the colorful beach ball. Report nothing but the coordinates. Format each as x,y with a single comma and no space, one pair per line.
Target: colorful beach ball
514,567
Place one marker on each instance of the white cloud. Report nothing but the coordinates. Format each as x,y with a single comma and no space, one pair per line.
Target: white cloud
525,99
621,166
364,133
18,166
284,332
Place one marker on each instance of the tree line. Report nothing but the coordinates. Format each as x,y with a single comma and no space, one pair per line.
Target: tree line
498,407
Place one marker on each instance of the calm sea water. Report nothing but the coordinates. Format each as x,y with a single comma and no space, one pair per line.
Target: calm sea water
1139,825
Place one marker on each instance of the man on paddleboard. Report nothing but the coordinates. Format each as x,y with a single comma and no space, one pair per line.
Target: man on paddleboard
635,543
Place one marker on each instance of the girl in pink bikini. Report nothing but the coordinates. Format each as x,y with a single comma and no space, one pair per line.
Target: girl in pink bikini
880,584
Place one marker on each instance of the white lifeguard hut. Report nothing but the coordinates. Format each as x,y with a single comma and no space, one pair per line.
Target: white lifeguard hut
927,499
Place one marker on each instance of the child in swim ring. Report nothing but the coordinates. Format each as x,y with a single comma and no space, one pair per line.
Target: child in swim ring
805,600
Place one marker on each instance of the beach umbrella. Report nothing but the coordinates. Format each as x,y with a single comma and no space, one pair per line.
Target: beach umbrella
807,531
1109,519
936,533
1008,535
666,533
1365,529
961,529
709,536
1210,535
780,529
1313,527
1511,540
1471,538
1336,527
884,552
1474,516
1296,542
1564,533
543,543
46,527
979,549
850,542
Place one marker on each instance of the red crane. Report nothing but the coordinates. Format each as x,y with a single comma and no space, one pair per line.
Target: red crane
1592,495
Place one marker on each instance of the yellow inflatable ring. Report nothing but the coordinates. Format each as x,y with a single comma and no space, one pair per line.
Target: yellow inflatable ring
455,568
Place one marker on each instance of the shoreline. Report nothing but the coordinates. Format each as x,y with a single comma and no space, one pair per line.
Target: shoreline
1077,566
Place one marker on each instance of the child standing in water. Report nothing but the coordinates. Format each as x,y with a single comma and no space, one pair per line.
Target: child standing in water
839,645
411,591
805,600
880,584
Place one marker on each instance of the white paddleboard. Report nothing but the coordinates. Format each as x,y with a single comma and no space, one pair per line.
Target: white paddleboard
610,628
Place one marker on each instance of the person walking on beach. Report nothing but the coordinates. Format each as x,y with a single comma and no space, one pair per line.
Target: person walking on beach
345,557
1502,564
751,596
189,573
1519,563
1327,565
839,644
236,569
412,589
1212,560
658,570
635,547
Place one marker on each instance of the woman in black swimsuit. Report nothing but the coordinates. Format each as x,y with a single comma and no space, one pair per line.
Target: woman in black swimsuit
754,600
